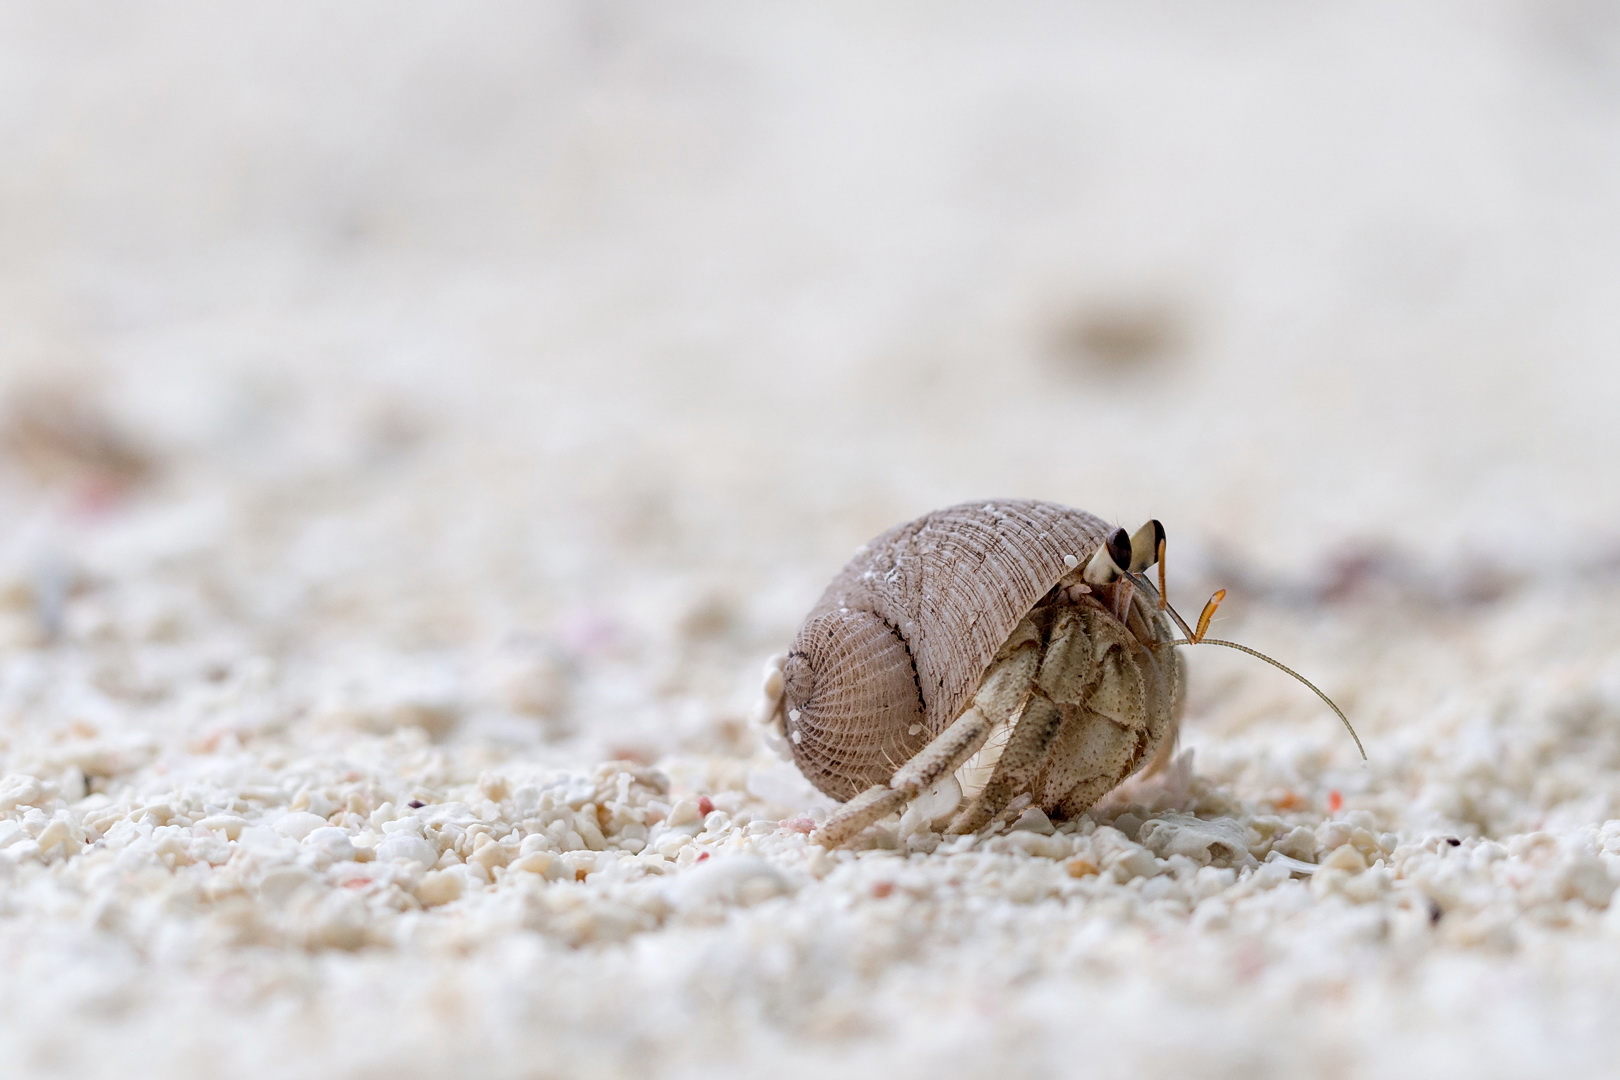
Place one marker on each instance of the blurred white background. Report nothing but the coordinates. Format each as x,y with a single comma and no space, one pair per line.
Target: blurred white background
1298,271
456,323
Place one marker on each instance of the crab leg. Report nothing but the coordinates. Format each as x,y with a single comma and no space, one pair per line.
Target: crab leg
1066,669
938,759
1000,696
1025,753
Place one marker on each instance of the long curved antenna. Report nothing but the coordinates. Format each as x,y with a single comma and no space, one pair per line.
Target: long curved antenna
1196,637
1343,719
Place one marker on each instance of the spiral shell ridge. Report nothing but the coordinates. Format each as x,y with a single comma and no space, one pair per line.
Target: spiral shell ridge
853,708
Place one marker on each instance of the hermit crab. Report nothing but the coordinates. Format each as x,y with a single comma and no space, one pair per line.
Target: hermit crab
982,659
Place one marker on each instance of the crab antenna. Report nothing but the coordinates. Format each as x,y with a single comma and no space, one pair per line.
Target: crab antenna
1279,665
1197,637
1208,613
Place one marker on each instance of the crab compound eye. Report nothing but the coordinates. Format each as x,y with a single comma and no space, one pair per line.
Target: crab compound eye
1145,545
1119,548
1106,565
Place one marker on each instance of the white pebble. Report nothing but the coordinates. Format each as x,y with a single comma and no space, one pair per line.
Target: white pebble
1203,841
737,880
332,841
544,863
1347,858
229,824
20,790
23,851
440,887
56,833
1584,878
404,847
684,813
934,804
281,882
1034,820
298,824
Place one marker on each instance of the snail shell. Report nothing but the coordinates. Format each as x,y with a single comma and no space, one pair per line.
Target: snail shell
900,640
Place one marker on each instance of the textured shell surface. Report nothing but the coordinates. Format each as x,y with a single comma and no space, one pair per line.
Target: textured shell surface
901,639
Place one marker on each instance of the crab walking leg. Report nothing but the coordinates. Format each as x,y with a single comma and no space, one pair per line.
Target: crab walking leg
1002,693
1102,752
938,759
1067,672
1026,751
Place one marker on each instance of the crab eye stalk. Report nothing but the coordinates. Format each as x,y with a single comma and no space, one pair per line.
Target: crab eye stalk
1107,564
1119,548
1145,544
